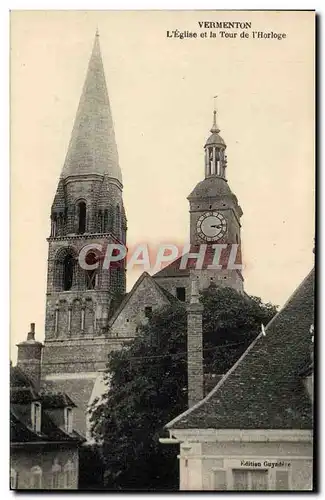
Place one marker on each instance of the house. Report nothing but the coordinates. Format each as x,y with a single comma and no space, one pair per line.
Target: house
44,447
254,430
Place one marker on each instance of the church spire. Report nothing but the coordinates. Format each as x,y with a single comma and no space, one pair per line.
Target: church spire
92,148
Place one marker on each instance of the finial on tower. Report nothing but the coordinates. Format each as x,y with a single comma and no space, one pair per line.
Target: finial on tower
97,31
215,129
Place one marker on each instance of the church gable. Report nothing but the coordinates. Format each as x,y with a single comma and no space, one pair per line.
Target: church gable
145,297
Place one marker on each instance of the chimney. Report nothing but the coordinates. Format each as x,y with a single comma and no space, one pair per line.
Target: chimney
195,382
29,357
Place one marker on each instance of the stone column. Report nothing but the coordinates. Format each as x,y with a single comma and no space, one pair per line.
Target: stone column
194,347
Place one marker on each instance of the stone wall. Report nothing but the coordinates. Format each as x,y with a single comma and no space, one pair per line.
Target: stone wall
133,313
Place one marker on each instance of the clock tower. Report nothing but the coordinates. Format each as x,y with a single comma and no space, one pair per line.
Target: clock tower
214,210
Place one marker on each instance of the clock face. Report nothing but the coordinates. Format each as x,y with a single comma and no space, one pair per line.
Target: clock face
211,226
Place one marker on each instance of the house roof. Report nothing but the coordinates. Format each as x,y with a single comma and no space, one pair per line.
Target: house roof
21,432
22,395
53,400
264,390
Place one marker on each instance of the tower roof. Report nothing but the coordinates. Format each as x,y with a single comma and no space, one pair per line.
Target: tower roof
92,148
210,188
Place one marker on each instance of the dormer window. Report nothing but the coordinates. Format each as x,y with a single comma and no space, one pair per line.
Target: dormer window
36,411
68,420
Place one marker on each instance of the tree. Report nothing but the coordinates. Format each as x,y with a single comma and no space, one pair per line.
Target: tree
148,384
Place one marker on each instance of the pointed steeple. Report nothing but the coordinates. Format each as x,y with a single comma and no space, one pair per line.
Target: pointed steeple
215,129
92,147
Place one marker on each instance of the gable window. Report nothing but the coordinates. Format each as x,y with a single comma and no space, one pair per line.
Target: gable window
36,411
13,479
68,420
56,475
180,293
245,479
36,478
68,266
148,311
82,217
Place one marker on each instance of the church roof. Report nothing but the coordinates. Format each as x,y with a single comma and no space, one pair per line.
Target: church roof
175,269
92,147
264,389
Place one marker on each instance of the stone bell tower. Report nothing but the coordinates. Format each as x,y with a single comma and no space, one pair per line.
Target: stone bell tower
87,210
215,213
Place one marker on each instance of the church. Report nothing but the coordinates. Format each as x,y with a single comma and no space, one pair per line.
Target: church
89,313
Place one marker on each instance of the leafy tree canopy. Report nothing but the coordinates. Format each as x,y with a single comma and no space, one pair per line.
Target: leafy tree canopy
148,384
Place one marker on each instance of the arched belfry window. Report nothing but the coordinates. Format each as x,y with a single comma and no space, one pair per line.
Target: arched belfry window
91,274
65,272
82,214
68,268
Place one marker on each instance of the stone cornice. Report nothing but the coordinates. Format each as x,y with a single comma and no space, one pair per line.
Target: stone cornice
242,435
86,340
87,236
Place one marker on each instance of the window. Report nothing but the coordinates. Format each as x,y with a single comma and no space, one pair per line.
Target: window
56,475
36,478
244,479
68,266
53,225
36,410
68,420
180,293
117,221
13,479
69,475
282,480
82,217
105,221
148,311
91,274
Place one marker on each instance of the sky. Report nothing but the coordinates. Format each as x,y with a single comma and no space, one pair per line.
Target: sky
161,93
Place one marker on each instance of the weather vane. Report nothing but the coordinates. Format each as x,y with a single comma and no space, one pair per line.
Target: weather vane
215,102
